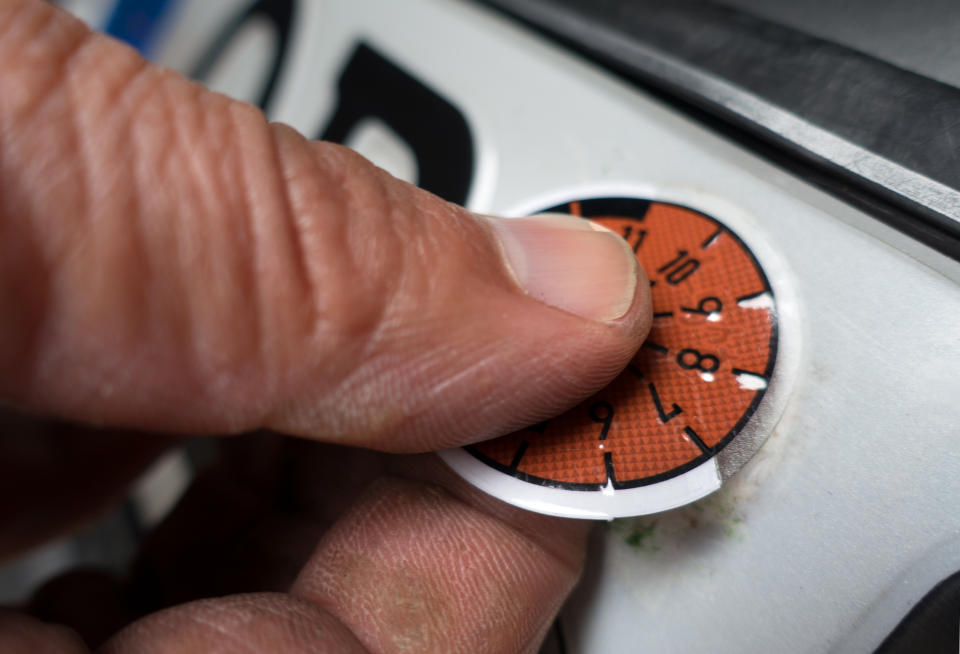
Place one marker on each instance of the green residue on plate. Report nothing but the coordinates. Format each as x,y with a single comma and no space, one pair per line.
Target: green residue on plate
713,519
640,536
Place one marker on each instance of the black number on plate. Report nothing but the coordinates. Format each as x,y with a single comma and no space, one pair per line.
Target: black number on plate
601,412
707,306
628,232
690,359
664,417
679,268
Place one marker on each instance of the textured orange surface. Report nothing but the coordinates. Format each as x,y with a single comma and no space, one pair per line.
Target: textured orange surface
645,444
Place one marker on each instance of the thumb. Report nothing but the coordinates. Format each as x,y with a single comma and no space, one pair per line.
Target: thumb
169,260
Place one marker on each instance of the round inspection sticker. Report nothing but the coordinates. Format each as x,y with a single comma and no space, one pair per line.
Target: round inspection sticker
694,404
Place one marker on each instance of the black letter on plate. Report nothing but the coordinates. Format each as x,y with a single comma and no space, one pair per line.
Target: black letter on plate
371,86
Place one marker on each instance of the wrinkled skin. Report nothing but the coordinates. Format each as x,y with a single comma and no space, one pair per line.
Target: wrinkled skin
171,266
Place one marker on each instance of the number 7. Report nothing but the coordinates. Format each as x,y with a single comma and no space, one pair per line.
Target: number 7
664,417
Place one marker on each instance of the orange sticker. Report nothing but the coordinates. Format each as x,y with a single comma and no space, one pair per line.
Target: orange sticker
693,385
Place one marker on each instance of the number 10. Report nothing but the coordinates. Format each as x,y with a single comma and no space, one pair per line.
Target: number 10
679,268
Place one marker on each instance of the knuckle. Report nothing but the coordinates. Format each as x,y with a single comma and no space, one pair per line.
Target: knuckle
347,248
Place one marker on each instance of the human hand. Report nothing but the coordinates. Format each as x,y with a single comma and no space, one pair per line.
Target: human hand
172,263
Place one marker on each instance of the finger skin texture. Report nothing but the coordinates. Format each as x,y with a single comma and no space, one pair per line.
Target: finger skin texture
169,260
414,568
421,562
261,622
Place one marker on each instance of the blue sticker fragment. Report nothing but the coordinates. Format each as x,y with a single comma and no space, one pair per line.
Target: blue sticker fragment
137,21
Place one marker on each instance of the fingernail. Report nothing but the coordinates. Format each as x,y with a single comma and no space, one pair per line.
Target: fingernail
570,263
